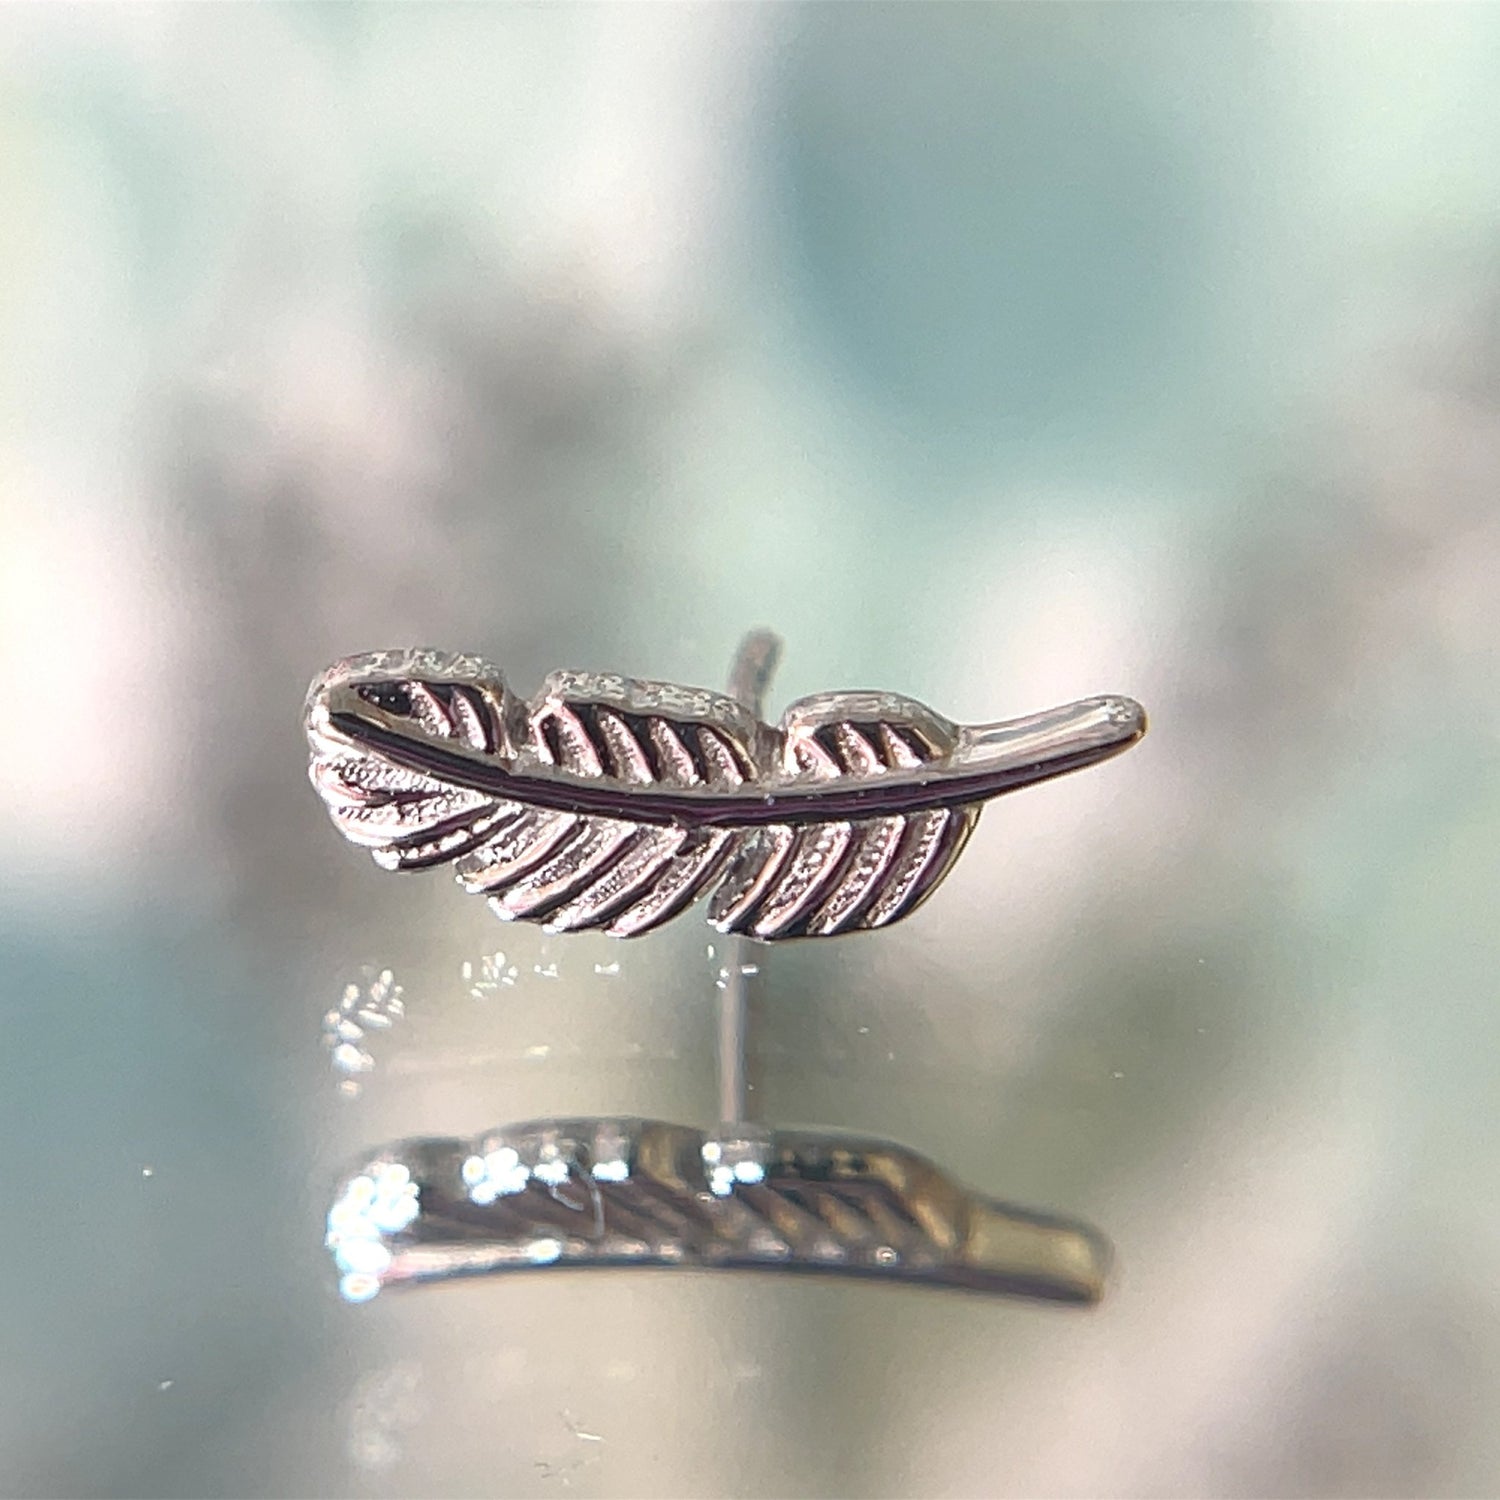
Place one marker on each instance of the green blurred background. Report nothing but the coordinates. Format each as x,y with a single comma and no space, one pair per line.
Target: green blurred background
997,355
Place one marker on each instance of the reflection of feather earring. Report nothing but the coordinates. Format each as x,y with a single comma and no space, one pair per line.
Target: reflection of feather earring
626,1192
612,803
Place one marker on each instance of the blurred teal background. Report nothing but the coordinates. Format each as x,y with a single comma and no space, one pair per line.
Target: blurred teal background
996,355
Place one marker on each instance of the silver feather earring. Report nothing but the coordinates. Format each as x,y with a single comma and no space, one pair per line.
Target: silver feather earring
613,803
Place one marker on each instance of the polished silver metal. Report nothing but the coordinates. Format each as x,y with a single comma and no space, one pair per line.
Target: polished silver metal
619,1192
607,802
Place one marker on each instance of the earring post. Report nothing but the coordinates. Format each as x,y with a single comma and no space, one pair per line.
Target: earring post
749,679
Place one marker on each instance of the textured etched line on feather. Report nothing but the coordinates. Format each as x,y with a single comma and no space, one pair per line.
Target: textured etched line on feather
643,861
721,765
380,822
804,873
560,739
922,841
432,715
806,757
677,765
446,845
757,863
901,752
834,869
524,844
678,886
469,720
628,760
577,862
360,780
856,754
863,871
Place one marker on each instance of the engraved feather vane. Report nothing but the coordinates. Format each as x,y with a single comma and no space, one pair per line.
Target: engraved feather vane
613,803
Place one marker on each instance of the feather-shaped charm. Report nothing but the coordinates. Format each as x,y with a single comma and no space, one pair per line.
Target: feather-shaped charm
607,802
